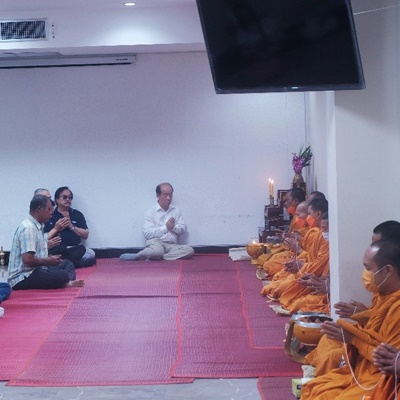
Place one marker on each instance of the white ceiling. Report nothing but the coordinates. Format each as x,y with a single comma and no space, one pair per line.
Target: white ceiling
45,5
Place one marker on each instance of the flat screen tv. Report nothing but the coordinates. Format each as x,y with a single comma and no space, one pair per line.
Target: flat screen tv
257,46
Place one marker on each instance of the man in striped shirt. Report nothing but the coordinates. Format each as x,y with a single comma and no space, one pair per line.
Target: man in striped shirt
30,266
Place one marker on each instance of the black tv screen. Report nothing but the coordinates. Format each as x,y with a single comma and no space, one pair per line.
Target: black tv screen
257,46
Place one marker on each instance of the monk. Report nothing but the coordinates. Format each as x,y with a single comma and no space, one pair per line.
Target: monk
316,195
310,291
299,288
329,353
292,199
382,261
279,256
314,246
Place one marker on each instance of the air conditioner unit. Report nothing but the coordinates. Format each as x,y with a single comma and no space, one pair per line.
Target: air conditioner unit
37,59
18,30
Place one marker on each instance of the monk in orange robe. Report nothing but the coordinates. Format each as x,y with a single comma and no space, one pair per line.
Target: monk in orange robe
315,247
317,300
359,377
273,261
296,289
329,353
293,198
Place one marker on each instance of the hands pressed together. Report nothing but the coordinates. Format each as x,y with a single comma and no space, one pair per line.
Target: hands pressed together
293,266
170,223
386,358
347,309
316,284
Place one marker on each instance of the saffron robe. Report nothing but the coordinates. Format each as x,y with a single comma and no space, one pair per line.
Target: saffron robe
329,353
282,252
338,384
318,268
308,244
319,258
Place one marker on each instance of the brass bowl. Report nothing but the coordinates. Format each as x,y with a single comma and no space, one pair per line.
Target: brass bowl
307,328
255,250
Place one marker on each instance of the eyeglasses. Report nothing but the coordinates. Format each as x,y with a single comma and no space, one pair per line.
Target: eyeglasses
64,197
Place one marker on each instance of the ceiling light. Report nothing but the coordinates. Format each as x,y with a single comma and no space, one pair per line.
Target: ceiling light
129,3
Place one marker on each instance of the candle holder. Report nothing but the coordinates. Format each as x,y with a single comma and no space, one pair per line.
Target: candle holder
271,201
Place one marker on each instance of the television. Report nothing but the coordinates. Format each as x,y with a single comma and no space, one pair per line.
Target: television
257,46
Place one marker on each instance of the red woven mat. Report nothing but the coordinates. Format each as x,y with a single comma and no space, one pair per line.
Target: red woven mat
30,317
266,329
214,336
120,331
278,388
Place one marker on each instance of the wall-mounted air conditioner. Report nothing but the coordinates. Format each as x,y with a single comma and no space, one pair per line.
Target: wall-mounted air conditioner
41,59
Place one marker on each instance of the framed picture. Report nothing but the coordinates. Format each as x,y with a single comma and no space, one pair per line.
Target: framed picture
281,197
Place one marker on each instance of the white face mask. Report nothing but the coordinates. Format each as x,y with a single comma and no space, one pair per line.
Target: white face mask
325,235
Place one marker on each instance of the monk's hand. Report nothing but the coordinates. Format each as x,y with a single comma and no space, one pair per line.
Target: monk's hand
170,223
304,280
347,309
293,266
292,244
334,331
385,357
318,285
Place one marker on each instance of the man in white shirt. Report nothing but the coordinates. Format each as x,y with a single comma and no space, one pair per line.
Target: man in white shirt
163,224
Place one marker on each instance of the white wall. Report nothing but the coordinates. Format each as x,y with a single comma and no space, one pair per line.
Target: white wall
362,142
112,133
368,143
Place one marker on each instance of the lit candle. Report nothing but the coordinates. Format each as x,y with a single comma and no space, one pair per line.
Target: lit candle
272,188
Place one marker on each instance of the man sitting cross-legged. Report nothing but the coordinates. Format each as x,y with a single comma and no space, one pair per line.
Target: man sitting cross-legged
163,224
30,266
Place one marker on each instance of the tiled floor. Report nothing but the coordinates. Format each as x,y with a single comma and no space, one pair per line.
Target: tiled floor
200,389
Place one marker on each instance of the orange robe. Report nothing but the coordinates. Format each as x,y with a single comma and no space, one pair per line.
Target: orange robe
329,353
386,391
273,266
281,252
317,257
294,290
309,244
310,302
338,384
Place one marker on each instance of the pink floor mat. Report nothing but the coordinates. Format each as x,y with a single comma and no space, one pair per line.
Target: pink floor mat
30,317
214,330
121,330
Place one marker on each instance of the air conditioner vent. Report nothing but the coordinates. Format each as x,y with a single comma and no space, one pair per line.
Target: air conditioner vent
21,30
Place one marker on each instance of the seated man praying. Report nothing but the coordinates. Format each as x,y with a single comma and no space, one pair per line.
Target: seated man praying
163,225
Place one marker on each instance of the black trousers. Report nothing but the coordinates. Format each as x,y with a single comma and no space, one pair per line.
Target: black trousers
48,277
74,253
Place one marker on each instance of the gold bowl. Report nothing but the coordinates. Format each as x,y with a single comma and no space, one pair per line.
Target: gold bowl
254,250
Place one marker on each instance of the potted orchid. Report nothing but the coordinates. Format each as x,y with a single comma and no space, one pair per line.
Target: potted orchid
299,161
302,160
